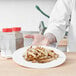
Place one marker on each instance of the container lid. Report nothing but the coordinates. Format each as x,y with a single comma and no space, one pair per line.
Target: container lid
7,30
16,29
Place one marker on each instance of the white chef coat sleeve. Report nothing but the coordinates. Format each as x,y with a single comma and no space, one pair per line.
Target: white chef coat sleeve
59,18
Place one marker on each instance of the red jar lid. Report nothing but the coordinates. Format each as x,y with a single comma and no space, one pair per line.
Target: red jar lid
16,29
7,30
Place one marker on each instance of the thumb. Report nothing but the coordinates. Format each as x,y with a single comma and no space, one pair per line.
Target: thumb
29,36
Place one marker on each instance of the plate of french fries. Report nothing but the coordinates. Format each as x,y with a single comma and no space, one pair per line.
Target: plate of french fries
39,57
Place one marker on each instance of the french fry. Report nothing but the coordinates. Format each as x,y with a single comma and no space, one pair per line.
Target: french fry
40,55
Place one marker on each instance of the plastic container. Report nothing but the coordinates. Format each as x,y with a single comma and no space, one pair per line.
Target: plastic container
7,43
18,36
28,41
11,40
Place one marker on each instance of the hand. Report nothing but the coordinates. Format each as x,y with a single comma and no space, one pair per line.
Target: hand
39,39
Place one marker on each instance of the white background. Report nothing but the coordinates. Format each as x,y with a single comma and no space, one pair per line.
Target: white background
23,13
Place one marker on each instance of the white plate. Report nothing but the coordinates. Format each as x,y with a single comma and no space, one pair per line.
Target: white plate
18,58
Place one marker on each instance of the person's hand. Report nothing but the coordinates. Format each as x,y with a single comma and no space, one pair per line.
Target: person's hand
40,39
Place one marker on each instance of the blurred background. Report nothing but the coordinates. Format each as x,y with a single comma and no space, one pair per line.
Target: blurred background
23,13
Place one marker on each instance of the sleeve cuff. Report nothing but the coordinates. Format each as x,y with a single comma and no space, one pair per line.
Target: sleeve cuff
57,33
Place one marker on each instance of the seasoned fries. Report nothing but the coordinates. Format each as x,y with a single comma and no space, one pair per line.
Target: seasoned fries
40,55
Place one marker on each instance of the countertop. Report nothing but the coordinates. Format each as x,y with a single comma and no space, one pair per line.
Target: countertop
9,68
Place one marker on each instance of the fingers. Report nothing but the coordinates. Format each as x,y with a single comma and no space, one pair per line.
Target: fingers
40,43
35,43
38,39
29,36
45,42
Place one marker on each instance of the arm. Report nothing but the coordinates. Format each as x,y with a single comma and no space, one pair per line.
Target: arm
59,19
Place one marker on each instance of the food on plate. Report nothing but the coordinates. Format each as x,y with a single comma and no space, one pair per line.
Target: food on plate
40,54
